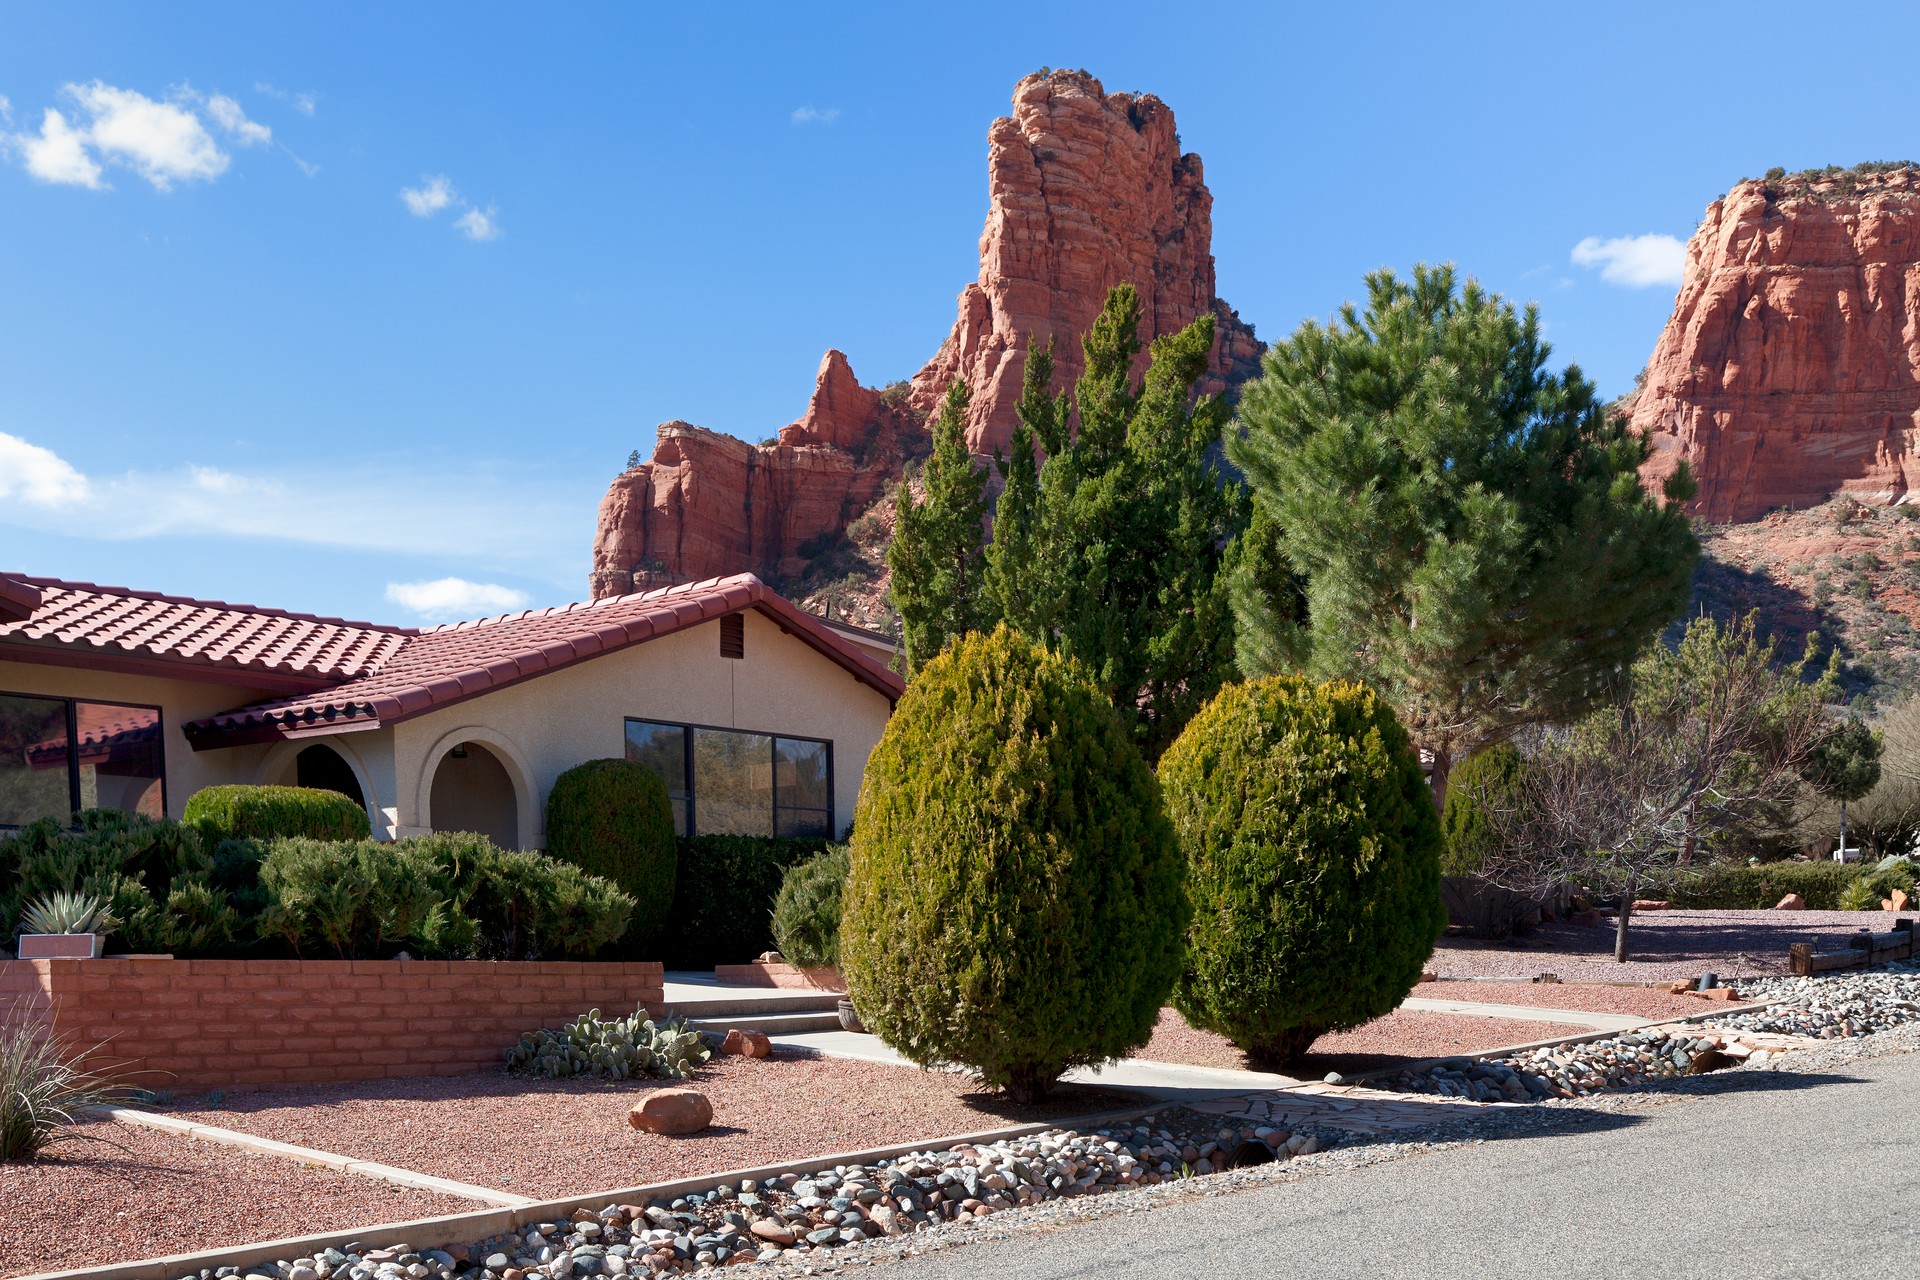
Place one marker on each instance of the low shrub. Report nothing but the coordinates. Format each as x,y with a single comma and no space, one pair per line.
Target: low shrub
723,903
64,912
1015,903
361,900
612,818
1314,863
1757,886
619,1048
1485,778
136,866
806,915
44,1086
452,895
267,813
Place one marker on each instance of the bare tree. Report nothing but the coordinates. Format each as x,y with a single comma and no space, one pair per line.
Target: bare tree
1711,739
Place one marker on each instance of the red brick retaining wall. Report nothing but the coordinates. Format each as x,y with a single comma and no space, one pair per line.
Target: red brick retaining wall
202,1023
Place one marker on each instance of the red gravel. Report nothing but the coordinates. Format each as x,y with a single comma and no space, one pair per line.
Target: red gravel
1588,997
1402,1036
1662,945
550,1138
88,1204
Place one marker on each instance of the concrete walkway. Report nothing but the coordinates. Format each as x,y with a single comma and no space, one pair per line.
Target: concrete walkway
1528,1013
1162,1081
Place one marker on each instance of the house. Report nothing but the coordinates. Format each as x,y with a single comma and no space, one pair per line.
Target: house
758,715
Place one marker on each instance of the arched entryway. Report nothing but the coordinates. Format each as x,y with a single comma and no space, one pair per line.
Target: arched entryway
321,766
472,791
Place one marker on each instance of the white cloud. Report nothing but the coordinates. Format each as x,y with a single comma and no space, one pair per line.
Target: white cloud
304,103
454,597
478,225
6,110
1638,262
38,476
58,154
432,195
811,114
161,141
228,114
486,519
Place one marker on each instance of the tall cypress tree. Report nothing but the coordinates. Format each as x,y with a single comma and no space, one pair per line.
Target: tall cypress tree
939,584
1115,550
1469,527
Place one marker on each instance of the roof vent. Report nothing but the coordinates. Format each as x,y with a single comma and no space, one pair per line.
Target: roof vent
733,636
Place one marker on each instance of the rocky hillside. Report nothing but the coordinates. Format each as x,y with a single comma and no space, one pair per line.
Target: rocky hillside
1850,570
1790,369
1086,189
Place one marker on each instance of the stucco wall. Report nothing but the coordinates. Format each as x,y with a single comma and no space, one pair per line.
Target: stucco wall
542,727
179,701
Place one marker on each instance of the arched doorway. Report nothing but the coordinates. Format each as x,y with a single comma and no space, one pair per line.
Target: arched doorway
321,766
472,791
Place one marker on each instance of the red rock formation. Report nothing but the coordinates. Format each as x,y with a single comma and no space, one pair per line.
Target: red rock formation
1790,370
1086,190
709,504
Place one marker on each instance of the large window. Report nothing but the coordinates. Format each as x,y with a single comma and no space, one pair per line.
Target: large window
727,782
60,755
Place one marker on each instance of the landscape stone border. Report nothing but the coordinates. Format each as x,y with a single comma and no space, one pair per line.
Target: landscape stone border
461,1228
313,1155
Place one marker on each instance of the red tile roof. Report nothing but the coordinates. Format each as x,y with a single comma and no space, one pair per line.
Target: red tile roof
446,664
290,650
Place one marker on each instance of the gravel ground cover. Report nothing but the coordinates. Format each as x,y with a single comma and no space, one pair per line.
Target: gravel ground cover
154,1193
592,1244
1405,1035
1663,945
1588,997
1833,1006
548,1138
813,1215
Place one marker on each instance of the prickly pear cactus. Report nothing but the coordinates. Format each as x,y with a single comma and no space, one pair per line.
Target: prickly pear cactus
619,1048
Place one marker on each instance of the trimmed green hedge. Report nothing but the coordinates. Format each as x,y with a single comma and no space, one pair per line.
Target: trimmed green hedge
1744,887
723,901
269,813
612,818
1314,856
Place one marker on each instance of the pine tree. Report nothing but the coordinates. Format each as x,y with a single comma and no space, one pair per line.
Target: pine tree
1469,527
939,582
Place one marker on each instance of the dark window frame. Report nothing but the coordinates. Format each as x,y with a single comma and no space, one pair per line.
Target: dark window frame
773,737
71,705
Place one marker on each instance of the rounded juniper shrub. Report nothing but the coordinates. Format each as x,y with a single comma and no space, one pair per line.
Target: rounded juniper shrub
1015,904
1313,857
612,818
1489,776
806,915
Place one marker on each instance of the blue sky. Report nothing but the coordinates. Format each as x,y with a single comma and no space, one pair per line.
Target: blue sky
237,361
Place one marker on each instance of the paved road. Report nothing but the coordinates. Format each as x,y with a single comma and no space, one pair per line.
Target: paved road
1775,1176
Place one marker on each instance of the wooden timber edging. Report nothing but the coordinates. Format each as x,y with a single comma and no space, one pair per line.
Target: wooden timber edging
1863,949
466,1228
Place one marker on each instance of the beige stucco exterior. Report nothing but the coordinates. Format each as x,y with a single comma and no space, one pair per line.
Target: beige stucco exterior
180,701
536,729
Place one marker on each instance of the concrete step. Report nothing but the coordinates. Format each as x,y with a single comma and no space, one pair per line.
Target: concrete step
736,1003
773,1024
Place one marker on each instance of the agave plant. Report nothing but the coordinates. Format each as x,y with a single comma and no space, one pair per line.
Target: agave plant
617,1047
45,1085
65,911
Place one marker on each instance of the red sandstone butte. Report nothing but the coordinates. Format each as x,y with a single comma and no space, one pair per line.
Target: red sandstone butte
1086,190
1790,370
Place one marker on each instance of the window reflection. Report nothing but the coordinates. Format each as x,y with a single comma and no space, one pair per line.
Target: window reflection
732,782
111,758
